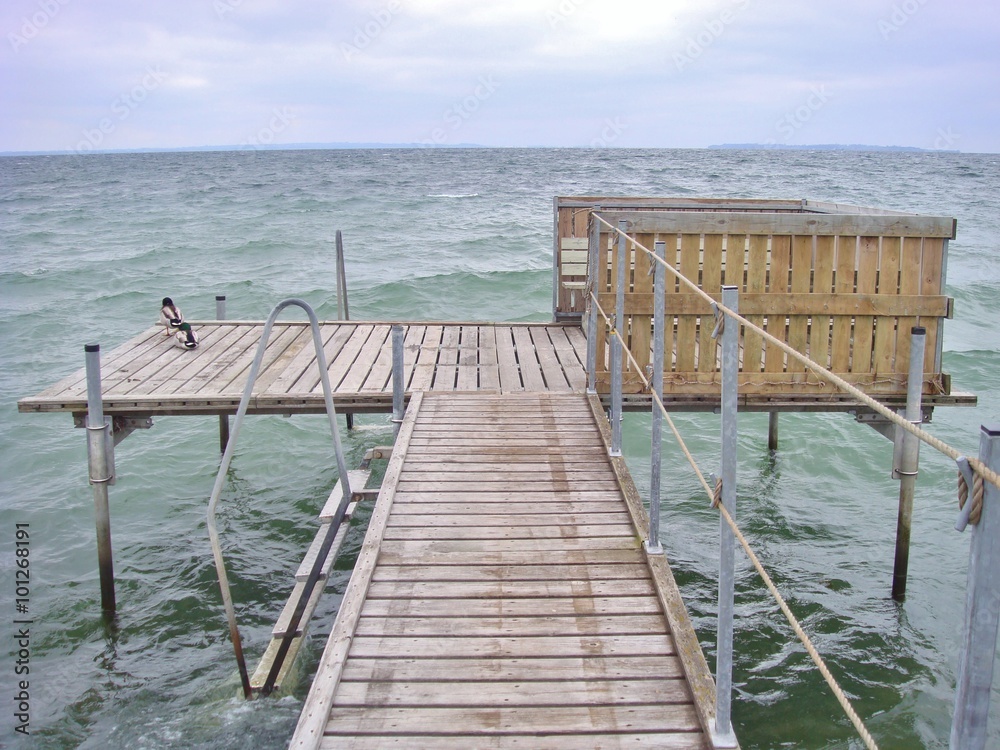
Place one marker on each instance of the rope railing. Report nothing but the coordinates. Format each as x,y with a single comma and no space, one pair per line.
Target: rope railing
838,692
988,474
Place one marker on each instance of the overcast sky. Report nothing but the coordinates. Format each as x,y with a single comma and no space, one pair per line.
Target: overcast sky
121,74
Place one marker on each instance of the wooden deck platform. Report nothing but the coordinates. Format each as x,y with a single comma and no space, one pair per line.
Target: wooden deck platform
148,376
502,597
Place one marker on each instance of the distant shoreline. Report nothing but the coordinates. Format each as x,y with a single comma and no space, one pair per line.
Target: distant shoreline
342,146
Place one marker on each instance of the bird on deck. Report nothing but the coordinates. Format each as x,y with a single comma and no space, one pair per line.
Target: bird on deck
185,337
170,316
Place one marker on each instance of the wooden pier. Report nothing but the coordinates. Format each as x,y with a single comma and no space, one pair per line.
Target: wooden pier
503,598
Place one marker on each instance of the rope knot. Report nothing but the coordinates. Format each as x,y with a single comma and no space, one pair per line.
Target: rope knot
717,494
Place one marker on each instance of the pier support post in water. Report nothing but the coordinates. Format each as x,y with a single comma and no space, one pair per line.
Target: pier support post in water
772,431
728,329
101,473
342,311
616,342
220,314
397,378
653,545
982,610
906,470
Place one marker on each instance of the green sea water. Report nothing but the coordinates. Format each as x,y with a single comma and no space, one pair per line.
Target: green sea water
89,245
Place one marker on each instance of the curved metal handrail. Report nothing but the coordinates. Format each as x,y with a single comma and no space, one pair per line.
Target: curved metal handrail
227,458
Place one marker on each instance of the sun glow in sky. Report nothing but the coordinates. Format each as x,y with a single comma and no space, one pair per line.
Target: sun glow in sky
81,75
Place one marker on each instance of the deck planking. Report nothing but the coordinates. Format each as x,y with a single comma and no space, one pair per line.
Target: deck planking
502,599
149,375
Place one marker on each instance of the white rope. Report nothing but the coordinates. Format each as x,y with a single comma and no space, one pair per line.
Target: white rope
842,698
988,474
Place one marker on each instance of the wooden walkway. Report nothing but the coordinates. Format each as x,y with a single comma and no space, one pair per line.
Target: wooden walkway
148,375
502,596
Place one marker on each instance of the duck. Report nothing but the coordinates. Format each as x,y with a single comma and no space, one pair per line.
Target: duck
170,316
185,337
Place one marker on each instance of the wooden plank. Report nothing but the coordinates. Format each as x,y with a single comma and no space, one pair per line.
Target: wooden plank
756,284
502,573
536,741
527,360
341,365
864,325
687,324
931,282
504,694
446,371
489,364
778,280
798,325
496,527
458,515
518,557
501,607
573,367
791,303
887,284
510,375
357,478
641,325
711,282
511,647
302,373
426,363
735,261
519,720
520,627
741,222
516,670
909,283
555,379
577,587
819,333
468,359
305,567
844,283
432,548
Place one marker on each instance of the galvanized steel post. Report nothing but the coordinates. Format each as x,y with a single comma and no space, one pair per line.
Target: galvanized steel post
908,459
101,473
982,610
397,378
343,313
616,342
730,330
593,253
220,314
653,545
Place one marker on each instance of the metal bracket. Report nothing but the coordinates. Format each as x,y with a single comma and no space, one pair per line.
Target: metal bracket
720,321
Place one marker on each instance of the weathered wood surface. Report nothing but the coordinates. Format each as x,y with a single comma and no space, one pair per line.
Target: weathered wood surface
148,375
510,602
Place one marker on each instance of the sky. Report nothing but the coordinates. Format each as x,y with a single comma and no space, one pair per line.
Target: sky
84,75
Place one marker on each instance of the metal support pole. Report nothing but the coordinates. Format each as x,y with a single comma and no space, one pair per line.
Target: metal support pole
397,378
594,285
653,545
723,735
101,473
220,314
772,431
982,610
342,310
616,344
909,455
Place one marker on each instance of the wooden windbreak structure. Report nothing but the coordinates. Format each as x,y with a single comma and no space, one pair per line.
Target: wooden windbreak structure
842,284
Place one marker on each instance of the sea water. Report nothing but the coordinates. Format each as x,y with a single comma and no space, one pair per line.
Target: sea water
90,244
